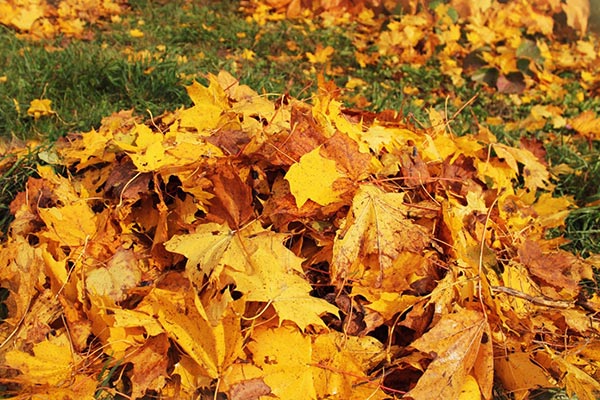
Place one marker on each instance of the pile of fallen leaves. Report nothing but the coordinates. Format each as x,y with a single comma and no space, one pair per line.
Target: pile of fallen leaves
38,19
511,46
279,249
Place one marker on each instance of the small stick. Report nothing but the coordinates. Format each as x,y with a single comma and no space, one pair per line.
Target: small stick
537,300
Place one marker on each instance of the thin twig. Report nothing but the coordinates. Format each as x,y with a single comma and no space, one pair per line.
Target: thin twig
537,300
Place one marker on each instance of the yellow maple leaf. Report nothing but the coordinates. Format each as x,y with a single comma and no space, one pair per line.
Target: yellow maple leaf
260,265
40,108
587,124
276,280
70,225
88,149
331,364
209,104
21,15
207,250
535,174
321,54
154,150
285,356
342,363
376,227
52,362
136,33
312,178
209,333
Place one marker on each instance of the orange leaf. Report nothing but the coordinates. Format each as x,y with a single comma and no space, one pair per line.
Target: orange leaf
150,364
454,343
375,232
321,54
518,373
587,124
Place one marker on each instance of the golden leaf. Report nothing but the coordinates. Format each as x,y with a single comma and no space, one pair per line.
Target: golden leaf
52,363
321,54
71,225
342,363
587,124
285,356
209,104
312,178
260,265
40,108
277,278
470,389
376,228
212,343
517,372
454,343
577,381
535,173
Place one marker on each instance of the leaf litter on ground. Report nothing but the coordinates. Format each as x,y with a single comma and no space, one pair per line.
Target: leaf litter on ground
189,248
261,247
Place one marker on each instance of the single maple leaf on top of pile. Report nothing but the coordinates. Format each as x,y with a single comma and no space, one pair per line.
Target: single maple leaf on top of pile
246,241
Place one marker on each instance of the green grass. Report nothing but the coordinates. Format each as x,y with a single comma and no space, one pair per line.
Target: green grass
85,83
88,80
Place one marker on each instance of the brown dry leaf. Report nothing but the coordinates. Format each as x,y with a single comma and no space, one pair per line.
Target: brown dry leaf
453,343
348,157
249,389
303,135
150,363
233,197
560,269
